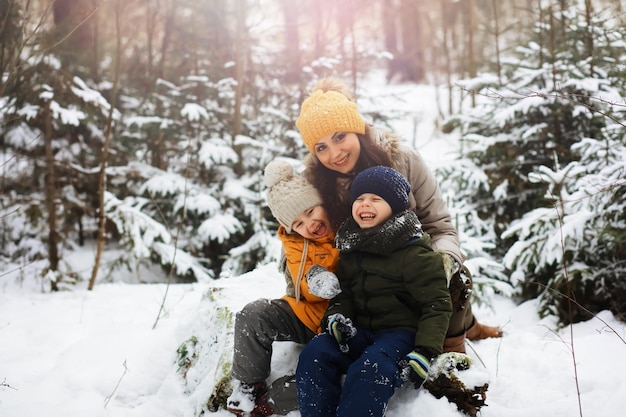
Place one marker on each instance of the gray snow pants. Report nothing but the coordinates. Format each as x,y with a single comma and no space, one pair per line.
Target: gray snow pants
257,326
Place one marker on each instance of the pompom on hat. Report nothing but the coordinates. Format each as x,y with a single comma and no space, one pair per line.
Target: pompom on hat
384,182
327,110
288,194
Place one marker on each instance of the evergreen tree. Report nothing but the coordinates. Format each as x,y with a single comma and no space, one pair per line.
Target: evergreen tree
557,93
575,248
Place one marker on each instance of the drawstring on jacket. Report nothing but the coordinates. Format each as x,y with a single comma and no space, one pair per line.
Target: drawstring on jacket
301,269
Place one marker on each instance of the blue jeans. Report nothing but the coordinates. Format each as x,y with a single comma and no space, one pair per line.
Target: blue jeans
370,367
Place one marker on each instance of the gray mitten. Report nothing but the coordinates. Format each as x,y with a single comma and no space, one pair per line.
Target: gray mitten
322,282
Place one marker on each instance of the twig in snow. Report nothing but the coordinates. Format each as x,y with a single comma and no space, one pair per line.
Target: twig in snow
4,384
107,399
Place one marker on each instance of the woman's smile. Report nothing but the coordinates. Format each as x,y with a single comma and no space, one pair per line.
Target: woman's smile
343,161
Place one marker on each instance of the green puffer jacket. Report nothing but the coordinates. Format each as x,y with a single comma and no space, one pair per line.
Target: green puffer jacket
405,288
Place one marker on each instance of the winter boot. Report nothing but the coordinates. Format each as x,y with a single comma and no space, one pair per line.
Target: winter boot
479,331
446,379
243,399
454,344
263,406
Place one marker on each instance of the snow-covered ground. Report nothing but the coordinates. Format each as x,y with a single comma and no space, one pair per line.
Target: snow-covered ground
99,353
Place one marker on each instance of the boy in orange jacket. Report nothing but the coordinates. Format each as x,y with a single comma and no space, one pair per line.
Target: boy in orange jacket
311,259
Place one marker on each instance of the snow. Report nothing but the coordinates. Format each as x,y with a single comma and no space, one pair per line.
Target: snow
216,151
194,112
89,95
198,203
112,352
219,227
164,184
29,111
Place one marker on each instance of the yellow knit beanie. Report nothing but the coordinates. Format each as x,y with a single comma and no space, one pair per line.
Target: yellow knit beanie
328,110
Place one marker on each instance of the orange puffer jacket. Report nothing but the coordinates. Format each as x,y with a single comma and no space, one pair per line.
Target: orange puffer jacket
301,254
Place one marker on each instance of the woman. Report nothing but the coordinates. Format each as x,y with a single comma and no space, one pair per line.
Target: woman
342,145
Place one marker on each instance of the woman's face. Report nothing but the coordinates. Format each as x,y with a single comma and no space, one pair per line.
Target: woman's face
339,151
312,223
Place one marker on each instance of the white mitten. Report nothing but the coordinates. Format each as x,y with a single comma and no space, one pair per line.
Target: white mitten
322,282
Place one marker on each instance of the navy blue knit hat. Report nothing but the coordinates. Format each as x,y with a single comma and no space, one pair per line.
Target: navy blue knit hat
384,182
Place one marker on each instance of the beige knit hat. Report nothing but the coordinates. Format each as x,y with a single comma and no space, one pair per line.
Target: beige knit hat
288,194
328,110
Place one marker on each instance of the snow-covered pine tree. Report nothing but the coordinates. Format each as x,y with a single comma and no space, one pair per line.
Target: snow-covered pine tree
461,182
47,201
561,89
578,242
172,159
205,183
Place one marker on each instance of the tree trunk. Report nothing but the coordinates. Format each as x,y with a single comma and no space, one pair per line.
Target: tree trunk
408,62
389,26
74,30
319,28
11,38
291,11
158,154
354,57
169,26
588,13
541,19
151,20
240,64
346,15
496,38
470,27
95,61
446,52
51,196
101,239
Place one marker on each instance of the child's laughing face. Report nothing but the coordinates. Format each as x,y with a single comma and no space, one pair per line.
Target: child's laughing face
312,223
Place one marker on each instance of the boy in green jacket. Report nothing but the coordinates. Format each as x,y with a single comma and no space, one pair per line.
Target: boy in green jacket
392,315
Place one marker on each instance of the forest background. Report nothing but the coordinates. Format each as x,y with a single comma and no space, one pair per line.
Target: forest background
143,127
